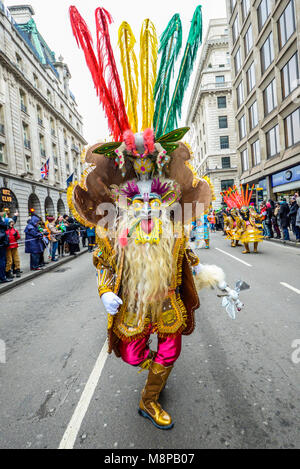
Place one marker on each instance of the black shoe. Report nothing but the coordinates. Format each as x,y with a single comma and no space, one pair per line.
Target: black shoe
7,280
18,273
9,275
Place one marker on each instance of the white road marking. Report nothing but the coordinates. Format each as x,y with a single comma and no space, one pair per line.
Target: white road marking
73,428
290,287
236,258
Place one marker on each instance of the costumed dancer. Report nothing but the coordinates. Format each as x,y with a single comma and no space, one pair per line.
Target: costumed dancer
246,228
144,263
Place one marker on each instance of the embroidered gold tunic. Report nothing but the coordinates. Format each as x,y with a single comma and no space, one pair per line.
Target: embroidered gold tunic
177,316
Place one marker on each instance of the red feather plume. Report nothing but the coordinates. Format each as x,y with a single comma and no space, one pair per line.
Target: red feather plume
108,65
116,123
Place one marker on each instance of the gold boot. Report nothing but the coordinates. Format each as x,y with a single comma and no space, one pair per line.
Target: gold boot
247,250
149,406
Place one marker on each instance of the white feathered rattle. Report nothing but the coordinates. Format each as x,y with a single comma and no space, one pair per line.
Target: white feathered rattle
212,276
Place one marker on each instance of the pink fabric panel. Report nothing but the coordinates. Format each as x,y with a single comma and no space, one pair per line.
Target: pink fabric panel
137,351
168,350
134,352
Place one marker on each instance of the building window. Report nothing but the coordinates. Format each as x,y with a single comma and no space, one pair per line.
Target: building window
267,53
226,184
256,156
54,153
251,77
23,100
286,24
35,81
2,126
290,76
273,143
42,145
235,28
248,40
242,127
223,122
39,115
263,13
52,126
245,160
292,128
270,97
26,138
237,61
253,115
226,162
222,104
245,8
220,80
224,142
2,154
240,94
19,62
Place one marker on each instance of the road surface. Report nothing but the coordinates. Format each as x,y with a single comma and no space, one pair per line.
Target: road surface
236,384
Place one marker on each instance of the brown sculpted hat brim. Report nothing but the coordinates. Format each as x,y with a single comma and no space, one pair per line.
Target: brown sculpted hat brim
105,173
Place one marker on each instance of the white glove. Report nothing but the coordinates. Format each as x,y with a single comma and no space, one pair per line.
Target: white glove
111,302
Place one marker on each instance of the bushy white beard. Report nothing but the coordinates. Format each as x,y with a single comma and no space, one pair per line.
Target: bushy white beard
147,270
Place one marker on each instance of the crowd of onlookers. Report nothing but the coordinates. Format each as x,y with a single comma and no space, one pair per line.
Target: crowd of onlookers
279,218
45,241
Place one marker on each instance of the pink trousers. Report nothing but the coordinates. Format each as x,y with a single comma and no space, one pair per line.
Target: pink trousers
136,352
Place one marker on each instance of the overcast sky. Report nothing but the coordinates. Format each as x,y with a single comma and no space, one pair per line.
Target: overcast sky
53,23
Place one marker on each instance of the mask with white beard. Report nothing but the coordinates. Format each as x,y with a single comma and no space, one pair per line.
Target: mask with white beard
146,234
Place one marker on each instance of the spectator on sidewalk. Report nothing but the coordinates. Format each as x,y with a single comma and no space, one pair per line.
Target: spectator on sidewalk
268,220
275,221
293,214
3,246
263,214
297,221
284,219
12,251
83,234
60,225
91,238
54,237
34,242
72,236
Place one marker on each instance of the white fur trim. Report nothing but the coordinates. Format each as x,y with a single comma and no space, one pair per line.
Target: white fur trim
209,276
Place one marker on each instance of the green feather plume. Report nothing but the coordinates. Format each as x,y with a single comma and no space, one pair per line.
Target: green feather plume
170,45
185,71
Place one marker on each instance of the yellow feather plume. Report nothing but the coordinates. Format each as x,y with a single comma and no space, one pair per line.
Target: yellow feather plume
126,42
148,64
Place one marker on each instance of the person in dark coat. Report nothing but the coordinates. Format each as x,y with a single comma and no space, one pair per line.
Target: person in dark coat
293,213
72,236
4,242
268,220
34,242
284,219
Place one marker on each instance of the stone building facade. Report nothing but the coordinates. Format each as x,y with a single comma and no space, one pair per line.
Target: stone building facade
265,45
210,113
39,120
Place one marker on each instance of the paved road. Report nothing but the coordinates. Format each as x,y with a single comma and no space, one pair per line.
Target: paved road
234,386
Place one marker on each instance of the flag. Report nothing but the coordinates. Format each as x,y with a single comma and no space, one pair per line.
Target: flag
45,170
70,179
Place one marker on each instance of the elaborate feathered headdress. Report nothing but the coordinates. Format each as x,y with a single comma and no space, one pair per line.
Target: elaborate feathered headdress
235,199
150,152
